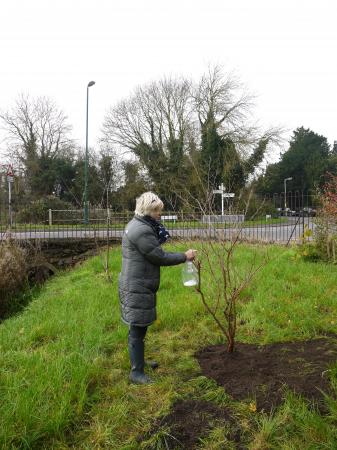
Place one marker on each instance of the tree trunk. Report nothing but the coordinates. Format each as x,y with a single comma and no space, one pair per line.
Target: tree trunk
230,345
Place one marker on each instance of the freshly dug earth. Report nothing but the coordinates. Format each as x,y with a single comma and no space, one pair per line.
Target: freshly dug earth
191,420
260,372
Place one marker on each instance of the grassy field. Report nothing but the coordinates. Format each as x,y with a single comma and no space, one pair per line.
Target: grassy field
64,363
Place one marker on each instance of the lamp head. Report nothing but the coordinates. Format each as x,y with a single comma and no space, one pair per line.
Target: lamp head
91,83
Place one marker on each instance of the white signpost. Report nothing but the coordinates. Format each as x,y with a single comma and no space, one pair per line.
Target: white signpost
224,194
10,180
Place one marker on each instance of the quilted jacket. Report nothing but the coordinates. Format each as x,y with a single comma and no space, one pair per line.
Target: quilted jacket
139,278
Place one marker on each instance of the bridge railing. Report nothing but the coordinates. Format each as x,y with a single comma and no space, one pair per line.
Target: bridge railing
279,227
273,218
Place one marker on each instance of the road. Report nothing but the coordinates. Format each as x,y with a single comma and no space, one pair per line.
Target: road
263,233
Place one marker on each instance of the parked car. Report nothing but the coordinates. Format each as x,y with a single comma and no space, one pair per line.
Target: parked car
286,212
308,212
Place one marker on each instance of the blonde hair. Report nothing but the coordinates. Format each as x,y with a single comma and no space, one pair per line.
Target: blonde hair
147,203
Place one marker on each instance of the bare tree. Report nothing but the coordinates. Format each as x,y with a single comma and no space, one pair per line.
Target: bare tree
110,172
223,278
222,284
154,123
231,142
223,98
152,116
37,135
36,127
172,124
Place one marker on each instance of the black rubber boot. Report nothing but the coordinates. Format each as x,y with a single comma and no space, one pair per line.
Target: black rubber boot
136,352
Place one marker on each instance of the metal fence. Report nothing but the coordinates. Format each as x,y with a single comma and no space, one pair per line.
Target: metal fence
281,224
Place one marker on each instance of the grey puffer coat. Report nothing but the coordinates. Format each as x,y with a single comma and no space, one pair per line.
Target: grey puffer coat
140,276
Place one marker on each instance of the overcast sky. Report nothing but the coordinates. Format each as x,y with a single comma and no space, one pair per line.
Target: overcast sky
284,51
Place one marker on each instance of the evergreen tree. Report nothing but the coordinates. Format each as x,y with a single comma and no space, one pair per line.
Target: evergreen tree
307,161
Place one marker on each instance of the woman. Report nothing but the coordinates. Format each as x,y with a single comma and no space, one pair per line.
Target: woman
139,279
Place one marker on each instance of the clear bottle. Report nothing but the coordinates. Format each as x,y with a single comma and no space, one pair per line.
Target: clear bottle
190,274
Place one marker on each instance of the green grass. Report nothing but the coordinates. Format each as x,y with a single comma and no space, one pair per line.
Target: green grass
64,363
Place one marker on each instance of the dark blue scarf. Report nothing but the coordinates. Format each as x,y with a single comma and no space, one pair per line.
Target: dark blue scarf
159,228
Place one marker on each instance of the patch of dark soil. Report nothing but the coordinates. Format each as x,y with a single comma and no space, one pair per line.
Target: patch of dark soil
191,420
262,371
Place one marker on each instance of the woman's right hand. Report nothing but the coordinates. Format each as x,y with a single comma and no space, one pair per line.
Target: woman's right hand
190,254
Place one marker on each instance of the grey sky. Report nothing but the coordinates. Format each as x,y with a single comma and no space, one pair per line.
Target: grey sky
285,51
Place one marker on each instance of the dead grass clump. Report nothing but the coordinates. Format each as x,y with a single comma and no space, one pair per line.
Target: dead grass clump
13,268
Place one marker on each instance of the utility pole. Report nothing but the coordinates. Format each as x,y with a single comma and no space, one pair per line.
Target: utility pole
285,195
10,179
86,206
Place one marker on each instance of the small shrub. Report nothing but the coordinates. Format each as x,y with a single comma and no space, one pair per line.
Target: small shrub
37,210
326,222
13,270
308,250
326,241
324,245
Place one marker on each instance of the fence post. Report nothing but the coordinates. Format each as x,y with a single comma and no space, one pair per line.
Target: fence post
50,217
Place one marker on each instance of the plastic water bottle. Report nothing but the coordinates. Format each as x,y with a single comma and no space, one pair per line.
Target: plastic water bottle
190,274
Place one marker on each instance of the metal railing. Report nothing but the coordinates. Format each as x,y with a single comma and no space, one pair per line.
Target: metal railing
283,226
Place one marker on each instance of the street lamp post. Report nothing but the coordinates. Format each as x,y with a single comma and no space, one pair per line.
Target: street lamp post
86,208
285,194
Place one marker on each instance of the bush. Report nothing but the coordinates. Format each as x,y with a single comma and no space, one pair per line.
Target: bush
308,249
326,222
37,210
326,240
324,245
257,207
13,270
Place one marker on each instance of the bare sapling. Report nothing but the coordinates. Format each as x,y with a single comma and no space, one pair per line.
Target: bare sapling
221,290
222,281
